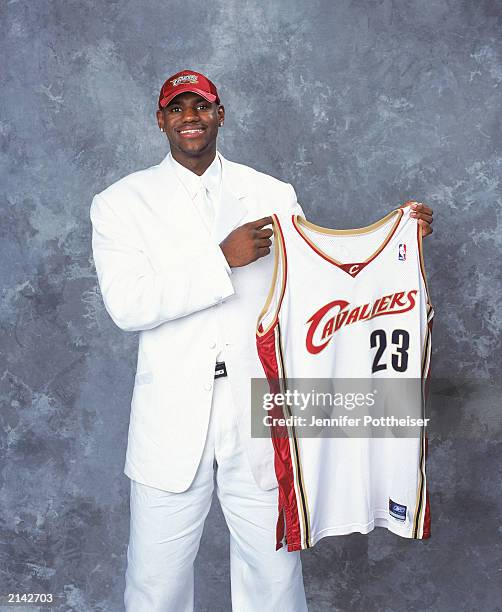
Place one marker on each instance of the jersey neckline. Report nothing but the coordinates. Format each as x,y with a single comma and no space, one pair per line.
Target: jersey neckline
298,221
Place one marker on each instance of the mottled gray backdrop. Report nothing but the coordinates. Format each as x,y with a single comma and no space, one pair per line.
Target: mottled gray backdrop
361,105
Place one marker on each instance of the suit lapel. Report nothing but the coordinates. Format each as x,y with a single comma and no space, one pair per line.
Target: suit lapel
181,209
229,215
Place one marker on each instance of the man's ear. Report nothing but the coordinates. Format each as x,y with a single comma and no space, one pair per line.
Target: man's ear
221,113
160,119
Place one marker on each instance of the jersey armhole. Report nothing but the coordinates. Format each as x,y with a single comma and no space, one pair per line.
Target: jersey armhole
430,307
270,312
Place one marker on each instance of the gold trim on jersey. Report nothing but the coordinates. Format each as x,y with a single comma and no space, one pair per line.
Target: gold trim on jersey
421,500
298,221
418,521
422,269
421,497
279,260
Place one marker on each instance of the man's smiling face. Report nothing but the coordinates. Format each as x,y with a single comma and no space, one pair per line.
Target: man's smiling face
191,124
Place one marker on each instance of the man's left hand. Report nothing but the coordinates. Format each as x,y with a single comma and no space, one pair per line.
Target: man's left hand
424,215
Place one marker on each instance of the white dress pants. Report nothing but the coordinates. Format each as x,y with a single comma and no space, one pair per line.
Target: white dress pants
166,529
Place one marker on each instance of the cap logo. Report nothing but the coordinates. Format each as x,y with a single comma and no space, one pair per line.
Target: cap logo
186,78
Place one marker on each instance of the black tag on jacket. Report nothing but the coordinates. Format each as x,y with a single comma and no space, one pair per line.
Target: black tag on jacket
220,369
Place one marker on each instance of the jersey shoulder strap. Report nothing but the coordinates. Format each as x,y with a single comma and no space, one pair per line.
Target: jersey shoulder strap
269,315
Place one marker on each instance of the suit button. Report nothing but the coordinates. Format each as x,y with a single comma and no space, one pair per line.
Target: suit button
208,386
212,345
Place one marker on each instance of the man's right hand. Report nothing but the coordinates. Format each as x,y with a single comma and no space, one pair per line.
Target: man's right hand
247,243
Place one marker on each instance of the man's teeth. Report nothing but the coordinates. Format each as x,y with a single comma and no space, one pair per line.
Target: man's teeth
190,131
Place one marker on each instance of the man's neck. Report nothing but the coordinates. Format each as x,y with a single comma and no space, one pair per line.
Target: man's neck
198,165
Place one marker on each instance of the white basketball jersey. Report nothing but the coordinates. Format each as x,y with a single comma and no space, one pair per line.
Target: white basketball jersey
348,304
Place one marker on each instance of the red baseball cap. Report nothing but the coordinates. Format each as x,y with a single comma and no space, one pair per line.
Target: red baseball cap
188,80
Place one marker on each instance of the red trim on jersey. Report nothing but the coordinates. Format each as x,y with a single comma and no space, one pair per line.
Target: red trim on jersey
288,505
352,269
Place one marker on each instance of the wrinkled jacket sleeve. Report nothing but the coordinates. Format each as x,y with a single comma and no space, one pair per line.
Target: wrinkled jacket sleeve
138,297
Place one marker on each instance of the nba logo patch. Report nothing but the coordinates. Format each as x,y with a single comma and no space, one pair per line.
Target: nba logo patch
401,252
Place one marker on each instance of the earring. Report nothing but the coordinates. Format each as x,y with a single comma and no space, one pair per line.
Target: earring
161,129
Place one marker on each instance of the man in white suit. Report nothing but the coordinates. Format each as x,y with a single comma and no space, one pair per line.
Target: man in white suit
181,252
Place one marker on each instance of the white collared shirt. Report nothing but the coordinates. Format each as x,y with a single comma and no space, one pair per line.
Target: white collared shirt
211,180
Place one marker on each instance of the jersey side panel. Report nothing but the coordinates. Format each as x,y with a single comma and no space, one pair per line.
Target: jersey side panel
270,352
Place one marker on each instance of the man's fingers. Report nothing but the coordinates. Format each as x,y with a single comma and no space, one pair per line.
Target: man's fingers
261,222
425,227
420,207
263,242
264,233
423,217
262,251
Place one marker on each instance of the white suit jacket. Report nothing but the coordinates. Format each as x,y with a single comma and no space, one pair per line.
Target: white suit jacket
161,273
